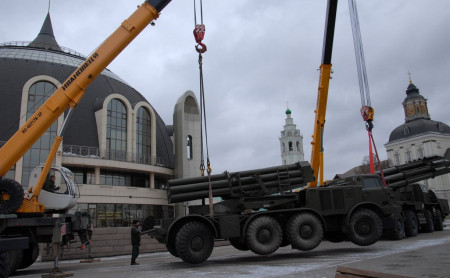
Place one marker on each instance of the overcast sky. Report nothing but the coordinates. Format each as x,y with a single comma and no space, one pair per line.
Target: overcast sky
261,55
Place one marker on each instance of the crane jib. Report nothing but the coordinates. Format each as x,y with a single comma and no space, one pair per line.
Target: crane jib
79,71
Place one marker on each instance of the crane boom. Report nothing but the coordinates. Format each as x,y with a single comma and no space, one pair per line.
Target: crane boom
322,95
72,89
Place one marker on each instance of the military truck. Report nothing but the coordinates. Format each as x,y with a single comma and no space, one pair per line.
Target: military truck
262,210
422,211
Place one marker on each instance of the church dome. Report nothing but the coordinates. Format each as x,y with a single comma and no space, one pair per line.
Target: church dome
417,118
418,127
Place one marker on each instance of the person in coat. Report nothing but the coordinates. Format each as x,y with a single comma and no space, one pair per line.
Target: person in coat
135,241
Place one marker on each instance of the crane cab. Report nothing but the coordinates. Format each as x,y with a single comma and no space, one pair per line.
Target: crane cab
59,191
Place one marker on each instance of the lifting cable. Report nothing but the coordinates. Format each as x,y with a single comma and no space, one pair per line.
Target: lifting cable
367,112
199,34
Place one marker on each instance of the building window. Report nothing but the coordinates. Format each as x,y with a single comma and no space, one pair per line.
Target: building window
420,153
406,130
116,131
39,92
283,148
143,136
397,159
290,146
124,179
408,156
83,175
189,147
298,146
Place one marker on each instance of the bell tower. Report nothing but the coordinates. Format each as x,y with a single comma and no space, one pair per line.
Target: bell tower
291,142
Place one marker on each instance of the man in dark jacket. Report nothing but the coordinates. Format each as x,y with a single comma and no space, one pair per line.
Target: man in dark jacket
135,241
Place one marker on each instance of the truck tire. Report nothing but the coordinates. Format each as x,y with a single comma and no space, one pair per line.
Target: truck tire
238,243
438,221
304,231
30,255
365,227
398,230
4,269
411,223
11,195
194,242
428,227
264,235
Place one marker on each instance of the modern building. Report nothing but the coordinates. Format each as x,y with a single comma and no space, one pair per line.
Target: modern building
116,144
419,137
291,142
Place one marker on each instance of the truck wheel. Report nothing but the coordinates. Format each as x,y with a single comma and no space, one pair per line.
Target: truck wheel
4,269
428,227
438,222
304,231
365,227
194,242
11,195
264,235
238,243
398,230
30,255
411,223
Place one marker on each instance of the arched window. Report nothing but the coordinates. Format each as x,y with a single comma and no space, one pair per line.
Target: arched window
298,145
38,93
143,136
116,130
283,148
189,147
290,146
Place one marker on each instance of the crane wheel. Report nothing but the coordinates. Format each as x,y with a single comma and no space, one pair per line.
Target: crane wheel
11,195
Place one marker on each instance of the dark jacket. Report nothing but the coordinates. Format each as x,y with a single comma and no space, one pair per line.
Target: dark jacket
135,236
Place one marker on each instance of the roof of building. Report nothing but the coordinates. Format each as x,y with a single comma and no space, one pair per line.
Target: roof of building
43,56
418,122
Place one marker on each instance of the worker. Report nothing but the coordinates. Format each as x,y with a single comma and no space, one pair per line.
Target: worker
135,241
50,184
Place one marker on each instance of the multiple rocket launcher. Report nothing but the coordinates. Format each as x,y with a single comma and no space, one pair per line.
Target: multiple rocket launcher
279,179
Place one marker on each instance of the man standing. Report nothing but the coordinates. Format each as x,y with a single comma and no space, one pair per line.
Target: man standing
135,241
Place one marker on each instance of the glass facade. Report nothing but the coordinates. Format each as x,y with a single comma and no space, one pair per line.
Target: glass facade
143,136
122,215
38,93
116,178
116,131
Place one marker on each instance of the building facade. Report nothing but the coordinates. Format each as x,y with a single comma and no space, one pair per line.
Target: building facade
291,142
118,147
419,137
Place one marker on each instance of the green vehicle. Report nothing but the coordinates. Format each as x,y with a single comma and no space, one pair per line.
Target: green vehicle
261,212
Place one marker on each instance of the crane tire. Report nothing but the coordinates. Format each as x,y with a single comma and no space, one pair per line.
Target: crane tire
438,221
428,227
365,227
411,223
4,261
194,242
304,231
264,235
15,257
11,195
